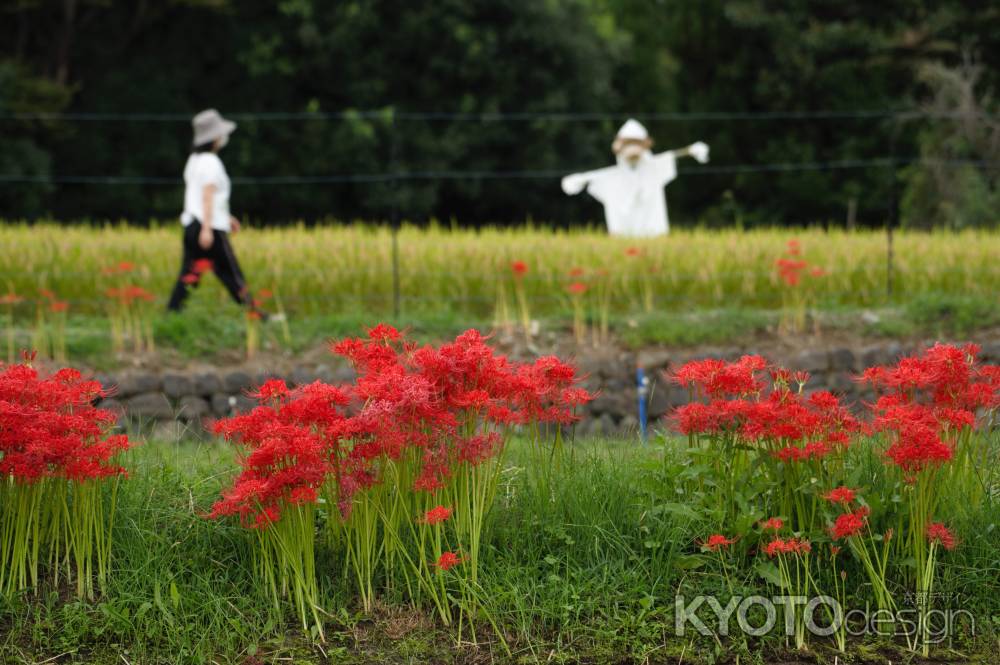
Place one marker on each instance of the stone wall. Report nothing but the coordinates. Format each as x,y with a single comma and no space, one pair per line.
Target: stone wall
191,399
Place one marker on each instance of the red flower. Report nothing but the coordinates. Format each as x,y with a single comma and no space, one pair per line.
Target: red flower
773,524
58,306
791,546
448,560
844,495
190,278
436,515
633,251
519,268
718,542
576,272
49,427
577,288
939,533
10,299
850,524
201,266
718,378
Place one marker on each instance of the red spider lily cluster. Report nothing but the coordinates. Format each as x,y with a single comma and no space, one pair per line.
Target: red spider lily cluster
717,542
792,266
49,428
129,294
795,297
55,452
923,423
129,309
764,409
448,404
928,401
787,546
418,425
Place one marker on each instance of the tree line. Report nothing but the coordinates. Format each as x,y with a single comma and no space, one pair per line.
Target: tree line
104,88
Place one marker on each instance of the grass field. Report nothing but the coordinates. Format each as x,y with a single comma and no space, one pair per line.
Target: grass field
689,288
588,574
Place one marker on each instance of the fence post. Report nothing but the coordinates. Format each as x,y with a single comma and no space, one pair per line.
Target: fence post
891,213
394,218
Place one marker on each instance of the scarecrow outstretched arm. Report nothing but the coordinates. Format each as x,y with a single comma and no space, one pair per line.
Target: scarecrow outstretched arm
577,182
698,150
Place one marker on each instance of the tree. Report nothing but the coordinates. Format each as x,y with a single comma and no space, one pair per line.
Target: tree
956,183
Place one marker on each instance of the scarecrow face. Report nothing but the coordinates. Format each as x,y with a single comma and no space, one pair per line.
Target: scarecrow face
632,149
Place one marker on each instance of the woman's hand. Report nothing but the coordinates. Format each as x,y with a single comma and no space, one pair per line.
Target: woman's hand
205,237
234,225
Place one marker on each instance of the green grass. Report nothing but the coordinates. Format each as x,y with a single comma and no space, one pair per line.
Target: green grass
586,573
216,332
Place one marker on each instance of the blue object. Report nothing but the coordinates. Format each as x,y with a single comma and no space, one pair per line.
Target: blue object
642,390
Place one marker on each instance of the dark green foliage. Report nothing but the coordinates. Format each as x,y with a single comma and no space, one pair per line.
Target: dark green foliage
568,56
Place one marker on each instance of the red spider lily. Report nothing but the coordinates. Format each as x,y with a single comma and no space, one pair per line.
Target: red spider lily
120,268
58,306
436,515
844,495
445,403
773,524
817,272
577,288
793,248
448,560
633,251
790,270
201,266
265,294
780,546
47,294
191,278
138,293
939,533
49,428
519,268
717,378
717,542
10,299
791,427
576,272
849,524
944,376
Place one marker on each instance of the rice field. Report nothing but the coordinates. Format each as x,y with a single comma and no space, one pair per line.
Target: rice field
466,272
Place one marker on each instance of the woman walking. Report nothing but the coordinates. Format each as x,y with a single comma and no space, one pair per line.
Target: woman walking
206,219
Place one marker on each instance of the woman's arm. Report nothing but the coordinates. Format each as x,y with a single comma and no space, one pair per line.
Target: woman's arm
205,237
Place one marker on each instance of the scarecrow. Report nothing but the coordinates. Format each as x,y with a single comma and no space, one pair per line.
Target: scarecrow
632,190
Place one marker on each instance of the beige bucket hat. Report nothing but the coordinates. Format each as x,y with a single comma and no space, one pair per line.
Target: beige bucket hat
209,126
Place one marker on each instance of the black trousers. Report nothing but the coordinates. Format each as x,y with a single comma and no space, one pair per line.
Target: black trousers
224,264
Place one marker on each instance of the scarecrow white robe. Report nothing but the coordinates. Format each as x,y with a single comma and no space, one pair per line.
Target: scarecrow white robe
633,197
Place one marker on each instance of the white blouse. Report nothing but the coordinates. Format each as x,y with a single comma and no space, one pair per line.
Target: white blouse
203,169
